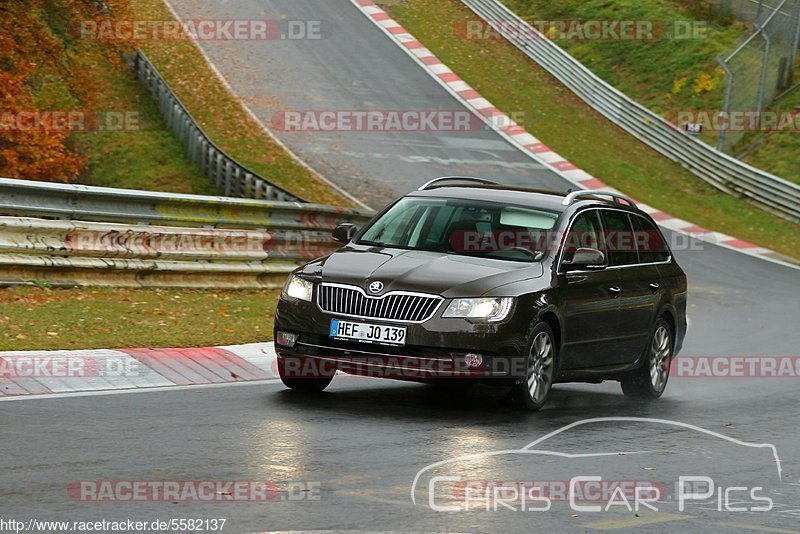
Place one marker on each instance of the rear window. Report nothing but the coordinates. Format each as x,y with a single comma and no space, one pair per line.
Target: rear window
649,241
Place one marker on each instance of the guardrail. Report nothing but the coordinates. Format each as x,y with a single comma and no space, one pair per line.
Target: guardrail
229,175
728,174
102,204
64,234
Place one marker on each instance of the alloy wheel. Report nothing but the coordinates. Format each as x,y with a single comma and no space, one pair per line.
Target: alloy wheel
540,367
659,358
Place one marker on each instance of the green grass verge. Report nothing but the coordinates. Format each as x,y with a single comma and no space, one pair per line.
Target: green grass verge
144,154
669,75
84,318
778,152
222,116
515,84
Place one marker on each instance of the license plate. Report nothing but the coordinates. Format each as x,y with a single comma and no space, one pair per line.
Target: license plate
368,333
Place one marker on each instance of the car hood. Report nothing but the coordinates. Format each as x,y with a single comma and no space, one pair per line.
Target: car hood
427,272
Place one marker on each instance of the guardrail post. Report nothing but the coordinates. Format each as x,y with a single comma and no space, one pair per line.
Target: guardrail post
220,169
179,123
237,181
186,137
248,186
162,102
197,157
228,177
155,85
203,152
174,117
190,143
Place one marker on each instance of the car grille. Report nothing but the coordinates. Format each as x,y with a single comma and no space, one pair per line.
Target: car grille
393,306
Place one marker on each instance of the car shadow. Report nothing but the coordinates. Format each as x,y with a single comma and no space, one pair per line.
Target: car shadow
383,399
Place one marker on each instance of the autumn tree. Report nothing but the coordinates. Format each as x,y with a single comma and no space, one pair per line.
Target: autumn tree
34,142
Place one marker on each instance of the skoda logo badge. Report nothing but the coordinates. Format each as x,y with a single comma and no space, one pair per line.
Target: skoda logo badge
376,287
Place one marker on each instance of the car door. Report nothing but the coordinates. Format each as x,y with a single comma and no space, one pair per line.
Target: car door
638,281
587,300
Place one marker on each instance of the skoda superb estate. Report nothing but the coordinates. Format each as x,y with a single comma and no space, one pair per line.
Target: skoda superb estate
468,280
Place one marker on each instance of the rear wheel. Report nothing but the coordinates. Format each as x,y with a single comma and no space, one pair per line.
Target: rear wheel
651,379
305,374
540,364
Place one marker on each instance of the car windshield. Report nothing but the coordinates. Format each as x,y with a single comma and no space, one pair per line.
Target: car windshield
463,227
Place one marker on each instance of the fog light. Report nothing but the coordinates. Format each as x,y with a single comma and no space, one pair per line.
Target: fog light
473,360
287,339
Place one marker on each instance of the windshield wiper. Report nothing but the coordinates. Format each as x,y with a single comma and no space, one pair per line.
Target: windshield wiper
372,243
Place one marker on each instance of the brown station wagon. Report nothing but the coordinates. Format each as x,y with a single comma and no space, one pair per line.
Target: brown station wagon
471,281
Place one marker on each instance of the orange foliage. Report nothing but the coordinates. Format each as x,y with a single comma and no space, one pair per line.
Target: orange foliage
29,152
41,151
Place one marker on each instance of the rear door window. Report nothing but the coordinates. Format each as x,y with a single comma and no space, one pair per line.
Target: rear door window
619,238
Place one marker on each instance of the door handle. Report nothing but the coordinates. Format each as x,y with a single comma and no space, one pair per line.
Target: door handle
614,291
654,287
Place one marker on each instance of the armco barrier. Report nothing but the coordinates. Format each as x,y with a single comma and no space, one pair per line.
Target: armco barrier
230,176
109,241
25,198
720,170
81,253
82,271
79,235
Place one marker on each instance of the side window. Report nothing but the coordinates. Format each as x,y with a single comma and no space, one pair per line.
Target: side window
649,241
618,237
585,232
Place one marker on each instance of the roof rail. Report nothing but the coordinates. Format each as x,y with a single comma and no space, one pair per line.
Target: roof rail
428,185
616,197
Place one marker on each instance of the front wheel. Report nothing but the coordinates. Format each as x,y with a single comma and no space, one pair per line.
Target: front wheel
305,374
540,364
651,380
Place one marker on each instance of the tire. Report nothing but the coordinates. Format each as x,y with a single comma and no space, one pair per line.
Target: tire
651,379
531,393
304,374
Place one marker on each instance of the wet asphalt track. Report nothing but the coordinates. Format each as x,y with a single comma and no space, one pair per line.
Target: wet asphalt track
364,441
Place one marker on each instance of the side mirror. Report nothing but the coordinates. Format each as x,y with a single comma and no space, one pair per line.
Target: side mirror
589,259
344,233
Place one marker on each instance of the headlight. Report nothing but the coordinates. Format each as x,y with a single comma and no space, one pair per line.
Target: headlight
298,289
485,309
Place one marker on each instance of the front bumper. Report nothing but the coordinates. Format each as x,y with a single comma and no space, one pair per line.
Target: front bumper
435,349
